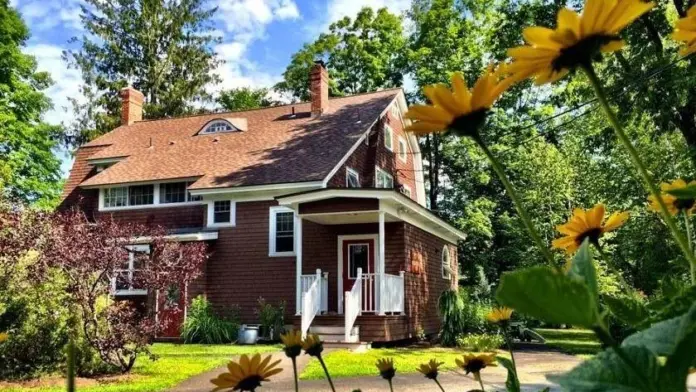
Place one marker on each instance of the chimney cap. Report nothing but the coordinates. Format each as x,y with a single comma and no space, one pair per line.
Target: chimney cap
320,62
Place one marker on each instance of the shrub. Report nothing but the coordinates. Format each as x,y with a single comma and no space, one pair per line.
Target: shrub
451,308
203,325
271,318
480,342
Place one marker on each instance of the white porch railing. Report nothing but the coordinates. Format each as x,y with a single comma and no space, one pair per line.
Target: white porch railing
307,280
392,296
353,304
369,288
311,303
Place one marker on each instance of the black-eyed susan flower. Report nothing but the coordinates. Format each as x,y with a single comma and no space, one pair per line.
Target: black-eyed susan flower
587,224
685,31
247,374
312,345
674,205
499,315
474,363
576,41
460,111
292,343
386,368
3,336
430,369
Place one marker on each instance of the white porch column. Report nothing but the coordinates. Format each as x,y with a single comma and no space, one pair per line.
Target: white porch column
298,265
380,280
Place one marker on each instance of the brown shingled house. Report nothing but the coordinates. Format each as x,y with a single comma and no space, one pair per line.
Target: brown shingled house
320,204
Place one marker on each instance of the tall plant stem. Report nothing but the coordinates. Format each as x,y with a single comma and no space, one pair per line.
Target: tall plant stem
498,168
638,163
480,380
294,369
439,385
391,387
326,371
508,341
687,223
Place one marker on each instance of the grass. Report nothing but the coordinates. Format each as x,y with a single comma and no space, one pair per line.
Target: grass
343,363
580,342
176,363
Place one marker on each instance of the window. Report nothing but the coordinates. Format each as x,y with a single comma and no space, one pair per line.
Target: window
395,111
446,265
125,280
281,232
222,211
388,138
192,197
403,149
406,190
139,195
358,257
218,126
116,197
383,179
173,192
352,178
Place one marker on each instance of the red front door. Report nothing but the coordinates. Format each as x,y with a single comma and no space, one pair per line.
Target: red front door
360,253
171,305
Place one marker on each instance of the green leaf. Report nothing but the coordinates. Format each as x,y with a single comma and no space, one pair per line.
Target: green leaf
689,192
675,307
582,268
664,337
607,372
627,309
676,370
549,295
512,383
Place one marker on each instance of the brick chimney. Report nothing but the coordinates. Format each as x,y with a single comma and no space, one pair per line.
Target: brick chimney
319,88
131,105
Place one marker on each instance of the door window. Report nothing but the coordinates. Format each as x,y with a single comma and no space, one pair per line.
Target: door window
358,256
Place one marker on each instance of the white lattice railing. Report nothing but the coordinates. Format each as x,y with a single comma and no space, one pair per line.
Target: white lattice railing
353,304
392,296
307,280
311,303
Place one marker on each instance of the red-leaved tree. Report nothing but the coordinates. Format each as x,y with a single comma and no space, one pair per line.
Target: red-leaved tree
90,253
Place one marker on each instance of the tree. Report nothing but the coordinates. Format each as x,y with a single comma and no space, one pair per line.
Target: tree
362,55
29,171
161,47
244,98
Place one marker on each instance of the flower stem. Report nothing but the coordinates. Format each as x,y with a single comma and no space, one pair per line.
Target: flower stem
498,168
508,341
294,369
480,380
391,387
638,163
439,385
326,371
687,223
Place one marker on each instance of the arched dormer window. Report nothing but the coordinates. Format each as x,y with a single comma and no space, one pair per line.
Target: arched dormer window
218,126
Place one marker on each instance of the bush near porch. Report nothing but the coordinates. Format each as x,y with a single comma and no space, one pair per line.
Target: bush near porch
175,363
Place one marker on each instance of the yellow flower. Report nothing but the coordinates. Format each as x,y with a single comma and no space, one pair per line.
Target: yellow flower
577,40
499,315
248,374
674,205
474,363
460,111
587,224
312,345
292,342
429,369
3,337
685,31
386,368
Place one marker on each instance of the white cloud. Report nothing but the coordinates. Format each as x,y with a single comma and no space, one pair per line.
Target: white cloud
44,15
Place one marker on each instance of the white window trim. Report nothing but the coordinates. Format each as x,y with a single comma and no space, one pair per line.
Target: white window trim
384,172
209,124
446,270
272,232
211,214
155,199
402,153
389,146
131,258
349,172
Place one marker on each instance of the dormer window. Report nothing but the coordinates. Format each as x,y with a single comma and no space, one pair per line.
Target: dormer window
218,126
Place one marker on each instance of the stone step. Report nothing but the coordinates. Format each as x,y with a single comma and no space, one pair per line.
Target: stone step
332,330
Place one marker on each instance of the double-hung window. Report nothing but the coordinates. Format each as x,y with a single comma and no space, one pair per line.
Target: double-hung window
281,236
173,192
446,264
221,213
116,197
388,138
125,280
352,178
403,150
383,179
140,195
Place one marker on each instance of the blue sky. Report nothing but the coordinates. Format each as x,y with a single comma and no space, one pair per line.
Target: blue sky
259,36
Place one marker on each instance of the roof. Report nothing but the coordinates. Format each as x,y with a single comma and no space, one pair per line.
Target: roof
276,148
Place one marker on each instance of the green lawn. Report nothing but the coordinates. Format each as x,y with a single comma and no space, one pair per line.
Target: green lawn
176,363
343,363
580,342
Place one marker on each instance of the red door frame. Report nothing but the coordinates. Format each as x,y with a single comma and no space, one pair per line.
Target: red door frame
347,280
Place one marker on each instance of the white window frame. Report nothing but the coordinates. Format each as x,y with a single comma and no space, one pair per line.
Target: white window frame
378,171
211,214
388,141
407,191
207,129
155,198
272,213
402,150
131,258
446,263
351,172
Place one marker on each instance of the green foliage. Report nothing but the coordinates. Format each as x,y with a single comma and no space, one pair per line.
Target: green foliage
512,383
480,342
451,308
244,98
627,309
271,318
203,325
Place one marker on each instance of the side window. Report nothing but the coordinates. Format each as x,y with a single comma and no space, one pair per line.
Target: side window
446,263
388,138
281,236
221,213
403,150
352,178
125,280
383,179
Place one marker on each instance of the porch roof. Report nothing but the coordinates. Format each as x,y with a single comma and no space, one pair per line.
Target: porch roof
361,205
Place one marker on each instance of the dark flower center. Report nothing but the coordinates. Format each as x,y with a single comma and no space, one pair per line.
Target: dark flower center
583,52
431,374
469,124
475,365
684,204
293,351
249,384
592,234
315,350
388,374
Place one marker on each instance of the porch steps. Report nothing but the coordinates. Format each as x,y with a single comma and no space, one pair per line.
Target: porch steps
335,334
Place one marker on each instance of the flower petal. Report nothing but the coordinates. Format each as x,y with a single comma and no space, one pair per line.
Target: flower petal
461,91
589,17
425,127
540,37
595,216
429,113
613,46
615,221
625,12
568,19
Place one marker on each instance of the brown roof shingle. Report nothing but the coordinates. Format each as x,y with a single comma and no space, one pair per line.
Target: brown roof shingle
276,148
